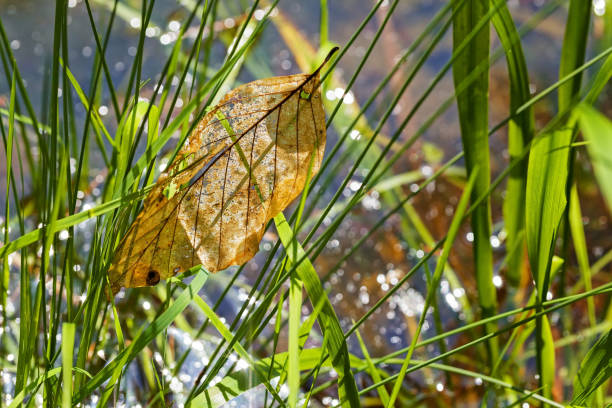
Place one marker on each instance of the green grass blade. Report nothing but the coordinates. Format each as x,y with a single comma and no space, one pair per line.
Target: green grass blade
595,369
448,244
574,48
63,223
295,312
20,83
597,130
100,49
373,371
520,132
8,152
68,330
328,319
97,121
580,247
545,204
472,104
152,135
600,81
489,379
547,178
124,139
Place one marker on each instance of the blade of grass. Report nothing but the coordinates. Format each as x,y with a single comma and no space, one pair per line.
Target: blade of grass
472,104
101,50
373,371
597,130
328,319
580,247
448,244
547,181
574,48
97,121
594,370
4,287
68,330
520,132
20,84
295,312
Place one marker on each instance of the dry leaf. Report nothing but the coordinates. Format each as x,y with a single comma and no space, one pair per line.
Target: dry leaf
246,161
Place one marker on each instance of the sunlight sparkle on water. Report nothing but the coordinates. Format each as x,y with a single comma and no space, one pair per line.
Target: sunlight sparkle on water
174,25
152,32
409,301
451,301
165,39
259,14
599,7
495,242
371,201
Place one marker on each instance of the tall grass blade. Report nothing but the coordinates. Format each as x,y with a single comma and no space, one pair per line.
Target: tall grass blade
68,330
472,104
295,312
520,132
597,130
595,369
574,48
580,247
347,389
373,371
547,178
8,152
435,281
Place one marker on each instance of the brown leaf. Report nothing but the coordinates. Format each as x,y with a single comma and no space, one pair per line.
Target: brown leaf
246,161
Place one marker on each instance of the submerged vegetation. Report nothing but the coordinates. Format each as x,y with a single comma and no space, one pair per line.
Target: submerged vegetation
451,247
